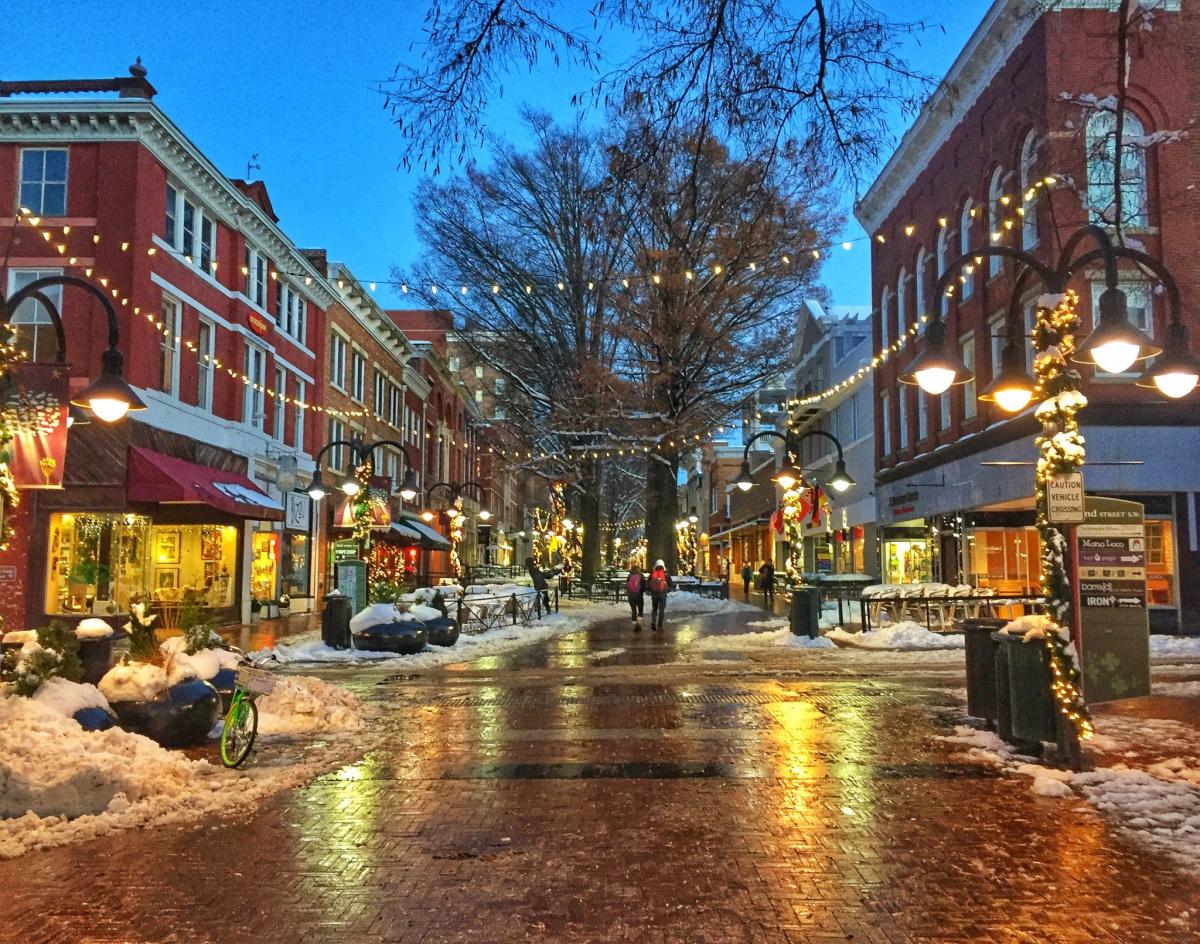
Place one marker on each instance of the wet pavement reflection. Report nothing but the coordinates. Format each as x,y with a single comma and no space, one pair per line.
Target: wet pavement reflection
613,786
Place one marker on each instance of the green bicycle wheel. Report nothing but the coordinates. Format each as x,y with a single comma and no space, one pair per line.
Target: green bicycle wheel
237,735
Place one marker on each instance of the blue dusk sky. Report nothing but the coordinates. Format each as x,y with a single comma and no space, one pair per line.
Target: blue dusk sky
296,83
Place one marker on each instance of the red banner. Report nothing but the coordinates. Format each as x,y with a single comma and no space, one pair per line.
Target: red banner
36,408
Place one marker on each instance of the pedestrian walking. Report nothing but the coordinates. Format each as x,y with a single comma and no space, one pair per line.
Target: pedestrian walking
766,583
539,582
747,578
658,585
635,589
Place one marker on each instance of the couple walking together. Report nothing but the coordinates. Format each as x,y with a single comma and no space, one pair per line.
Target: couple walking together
656,583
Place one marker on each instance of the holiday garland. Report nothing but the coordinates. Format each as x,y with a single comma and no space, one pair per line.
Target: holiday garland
793,532
456,536
1060,452
8,486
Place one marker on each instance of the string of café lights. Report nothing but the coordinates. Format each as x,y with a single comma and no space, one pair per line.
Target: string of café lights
670,445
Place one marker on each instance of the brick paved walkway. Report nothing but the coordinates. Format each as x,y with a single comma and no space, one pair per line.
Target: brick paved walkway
606,787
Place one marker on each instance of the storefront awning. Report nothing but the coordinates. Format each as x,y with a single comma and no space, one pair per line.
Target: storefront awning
152,477
430,539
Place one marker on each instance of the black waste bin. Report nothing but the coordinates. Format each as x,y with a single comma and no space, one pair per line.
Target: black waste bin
806,611
335,621
1034,718
981,667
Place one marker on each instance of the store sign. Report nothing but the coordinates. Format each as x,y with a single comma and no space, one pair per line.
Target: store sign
351,578
345,550
8,573
36,410
1110,571
1064,498
904,504
259,325
297,511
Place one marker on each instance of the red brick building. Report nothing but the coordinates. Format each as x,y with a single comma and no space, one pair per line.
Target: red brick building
220,321
1018,111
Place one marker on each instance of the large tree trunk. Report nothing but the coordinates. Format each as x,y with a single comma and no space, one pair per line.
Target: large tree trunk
662,508
589,515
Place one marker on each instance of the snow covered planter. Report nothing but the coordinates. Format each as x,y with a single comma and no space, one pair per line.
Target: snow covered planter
383,628
170,706
442,630
82,702
96,639
218,667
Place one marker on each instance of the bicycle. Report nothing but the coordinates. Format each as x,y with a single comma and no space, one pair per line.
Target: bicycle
241,721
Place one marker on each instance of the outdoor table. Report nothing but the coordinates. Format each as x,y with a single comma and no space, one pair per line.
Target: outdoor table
992,603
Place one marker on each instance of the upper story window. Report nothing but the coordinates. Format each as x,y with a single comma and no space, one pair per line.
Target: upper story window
44,181
478,396
337,362
922,288
205,336
1029,229
995,233
253,405
901,302
967,350
33,330
189,230
358,376
885,317
168,357
298,417
453,364
923,407
501,386
902,416
381,386
337,455
964,246
394,398
885,421
1102,189
479,372
279,420
943,260
255,271
291,310
998,338
498,413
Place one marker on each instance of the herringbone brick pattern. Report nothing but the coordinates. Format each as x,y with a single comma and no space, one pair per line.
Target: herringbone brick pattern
653,799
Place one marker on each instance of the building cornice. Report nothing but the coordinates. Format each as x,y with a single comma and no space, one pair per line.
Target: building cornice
359,304
65,122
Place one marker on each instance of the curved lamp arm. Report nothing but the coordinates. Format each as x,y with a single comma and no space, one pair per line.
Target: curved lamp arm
795,447
334,444
55,319
763,435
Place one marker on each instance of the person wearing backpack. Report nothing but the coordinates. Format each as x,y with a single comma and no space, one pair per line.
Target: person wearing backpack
635,589
658,585
747,579
766,583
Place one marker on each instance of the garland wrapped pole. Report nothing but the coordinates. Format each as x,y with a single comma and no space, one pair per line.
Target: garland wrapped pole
793,532
1060,452
456,536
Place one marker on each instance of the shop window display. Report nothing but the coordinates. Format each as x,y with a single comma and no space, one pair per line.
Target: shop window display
1160,563
100,563
264,567
295,564
907,562
1006,560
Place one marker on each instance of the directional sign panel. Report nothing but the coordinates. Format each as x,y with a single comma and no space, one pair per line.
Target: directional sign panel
1110,571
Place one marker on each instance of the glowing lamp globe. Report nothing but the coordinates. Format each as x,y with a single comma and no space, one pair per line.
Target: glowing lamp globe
1013,399
1176,371
1115,344
1176,385
934,369
1115,357
934,380
351,486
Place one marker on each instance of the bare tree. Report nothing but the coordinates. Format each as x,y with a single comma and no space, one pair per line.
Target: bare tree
725,251
532,239
764,74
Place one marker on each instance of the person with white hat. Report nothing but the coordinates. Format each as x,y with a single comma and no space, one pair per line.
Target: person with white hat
657,584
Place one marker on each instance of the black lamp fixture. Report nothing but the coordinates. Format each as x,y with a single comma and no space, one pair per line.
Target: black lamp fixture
935,370
77,416
744,480
1115,344
692,516
455,489
316,488
791,474
840,481
109,396
1013,388
1176,370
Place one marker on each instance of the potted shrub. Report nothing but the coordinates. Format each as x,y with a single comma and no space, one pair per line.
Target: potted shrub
96,638
255,609
285,605
44,664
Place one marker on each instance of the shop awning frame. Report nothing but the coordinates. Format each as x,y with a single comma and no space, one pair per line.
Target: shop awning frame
155,478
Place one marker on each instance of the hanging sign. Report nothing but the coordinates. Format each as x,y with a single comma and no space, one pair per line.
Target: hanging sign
1064,498
36,409
259,325
298,511
1110,570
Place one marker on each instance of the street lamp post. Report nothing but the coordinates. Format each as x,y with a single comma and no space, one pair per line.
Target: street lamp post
1113,346
456,516
790,478
109,396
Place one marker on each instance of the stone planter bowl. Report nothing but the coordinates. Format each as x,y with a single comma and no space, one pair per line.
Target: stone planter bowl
405,636
182,716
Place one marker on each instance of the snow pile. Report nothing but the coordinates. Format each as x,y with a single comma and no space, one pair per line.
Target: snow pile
66,698
93,628
900,636
1176,689
572,619
141,681
781,636
204,664
20,637
1028,627
421,612
1163,814
981,746
1175,647
61,784
377,614
301,704
684,601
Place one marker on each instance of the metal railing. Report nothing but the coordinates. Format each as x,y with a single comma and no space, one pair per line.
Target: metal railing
477,612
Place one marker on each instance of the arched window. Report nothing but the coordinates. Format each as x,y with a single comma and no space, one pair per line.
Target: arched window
965,219
901,302
922,292
943,260
1029,228
885,304
1101,187
995,234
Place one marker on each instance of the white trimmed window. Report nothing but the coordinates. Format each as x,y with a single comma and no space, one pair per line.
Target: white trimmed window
964,246
967,350
885,317
1030,321
253,406
1101,186
943,260
902,416
279,420
337,361
501,386
923,407
358,376
190,230
944,411
44,181
168,347
1029,228
255,270
901,302
381,386
33,329
337,457
298,417
205,337
997,338
995,230
885,417
453,364
922,287
394,398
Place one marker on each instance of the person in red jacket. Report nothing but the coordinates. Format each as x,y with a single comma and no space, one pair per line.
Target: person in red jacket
635,589
658,584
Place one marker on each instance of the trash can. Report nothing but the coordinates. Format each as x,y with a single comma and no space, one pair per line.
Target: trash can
1025,712
806,611
981,667
335,620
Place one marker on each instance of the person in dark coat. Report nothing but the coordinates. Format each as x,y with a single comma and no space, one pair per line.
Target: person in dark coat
635,590
766,583
747,578
539,582
658,584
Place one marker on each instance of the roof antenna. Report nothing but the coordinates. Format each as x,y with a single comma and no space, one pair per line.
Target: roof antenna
252,164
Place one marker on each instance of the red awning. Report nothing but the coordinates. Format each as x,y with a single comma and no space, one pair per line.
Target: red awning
152,477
